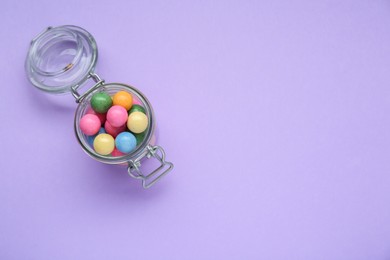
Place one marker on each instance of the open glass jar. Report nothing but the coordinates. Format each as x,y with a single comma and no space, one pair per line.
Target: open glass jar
61,60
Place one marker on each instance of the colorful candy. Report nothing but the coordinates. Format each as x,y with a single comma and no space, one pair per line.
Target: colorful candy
102,117
123,99
91,138
137,108
114,131
125,142
104,144
117,116
90,124
116,153
137,122
139,137
101,102
136,101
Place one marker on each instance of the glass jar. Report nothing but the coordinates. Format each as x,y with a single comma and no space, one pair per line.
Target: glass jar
61,60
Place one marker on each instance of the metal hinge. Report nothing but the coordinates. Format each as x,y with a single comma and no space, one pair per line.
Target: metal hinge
98,83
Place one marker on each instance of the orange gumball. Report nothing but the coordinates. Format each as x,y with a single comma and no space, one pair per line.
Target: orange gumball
123,99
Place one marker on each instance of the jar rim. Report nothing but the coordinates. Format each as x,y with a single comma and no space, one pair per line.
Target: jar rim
43,40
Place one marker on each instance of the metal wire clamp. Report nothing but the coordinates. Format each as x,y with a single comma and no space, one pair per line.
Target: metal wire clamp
149,179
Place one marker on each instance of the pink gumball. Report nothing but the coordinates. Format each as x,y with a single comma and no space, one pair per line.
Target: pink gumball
114,131
117,116
102,117
136,101
116,152
90,124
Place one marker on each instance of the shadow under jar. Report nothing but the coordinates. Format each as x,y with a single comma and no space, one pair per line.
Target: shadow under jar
61,60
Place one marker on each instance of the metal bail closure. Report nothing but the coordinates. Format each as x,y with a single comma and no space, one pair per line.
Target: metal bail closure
98,83
151,178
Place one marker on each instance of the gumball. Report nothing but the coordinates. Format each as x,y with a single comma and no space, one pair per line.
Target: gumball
136,101
101,102
137,122
116,152
137,108
117,116
114,131
102,117
104,144
125,142
123,99
91,138
89,124
140,137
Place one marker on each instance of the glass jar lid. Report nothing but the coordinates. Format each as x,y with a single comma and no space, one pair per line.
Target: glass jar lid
61,58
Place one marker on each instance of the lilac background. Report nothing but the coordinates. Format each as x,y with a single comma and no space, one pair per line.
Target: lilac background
275,113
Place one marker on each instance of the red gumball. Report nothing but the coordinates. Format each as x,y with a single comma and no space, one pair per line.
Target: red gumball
102,117
114,131
116,152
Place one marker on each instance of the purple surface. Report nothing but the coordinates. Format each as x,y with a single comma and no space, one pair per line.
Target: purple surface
275,113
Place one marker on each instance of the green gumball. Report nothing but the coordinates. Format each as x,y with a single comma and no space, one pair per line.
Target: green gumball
101,102
140,137
137,108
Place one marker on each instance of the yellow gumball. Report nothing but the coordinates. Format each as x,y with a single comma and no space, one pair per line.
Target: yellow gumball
104,144
137,122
